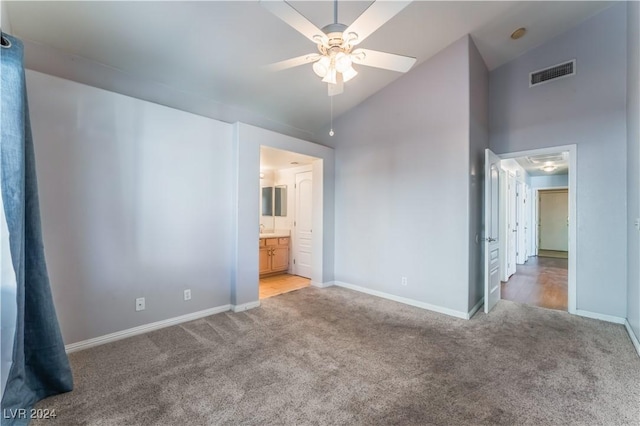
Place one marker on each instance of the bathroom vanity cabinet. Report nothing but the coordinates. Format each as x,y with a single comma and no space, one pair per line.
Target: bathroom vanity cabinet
274,255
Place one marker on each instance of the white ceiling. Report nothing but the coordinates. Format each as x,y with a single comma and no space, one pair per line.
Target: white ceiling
207,57
533,165
276,159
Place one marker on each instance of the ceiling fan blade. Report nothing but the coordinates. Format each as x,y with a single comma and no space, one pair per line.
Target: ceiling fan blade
373,18
387,61
288,14
293,62
338,88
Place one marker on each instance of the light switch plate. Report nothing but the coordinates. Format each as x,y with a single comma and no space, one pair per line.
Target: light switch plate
637,224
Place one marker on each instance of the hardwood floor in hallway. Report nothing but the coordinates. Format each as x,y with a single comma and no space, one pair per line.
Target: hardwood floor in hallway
283,283
542,281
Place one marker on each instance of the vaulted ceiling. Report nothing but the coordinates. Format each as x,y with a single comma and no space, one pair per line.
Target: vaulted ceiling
208,57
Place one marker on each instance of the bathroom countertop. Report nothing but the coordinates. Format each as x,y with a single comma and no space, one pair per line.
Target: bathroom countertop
274,234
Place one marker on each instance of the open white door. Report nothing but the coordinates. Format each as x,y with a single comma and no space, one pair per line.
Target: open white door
512,229
303,225
491,230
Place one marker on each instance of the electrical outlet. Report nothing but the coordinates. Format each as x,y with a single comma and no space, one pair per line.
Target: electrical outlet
140,304
187,294
404,280
637,224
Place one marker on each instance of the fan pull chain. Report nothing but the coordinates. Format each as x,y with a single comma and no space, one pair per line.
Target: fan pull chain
331,132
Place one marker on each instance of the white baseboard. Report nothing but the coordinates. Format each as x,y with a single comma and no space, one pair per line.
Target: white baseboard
406,301
245,306
475,308
632,335
602,317
119,335
322,285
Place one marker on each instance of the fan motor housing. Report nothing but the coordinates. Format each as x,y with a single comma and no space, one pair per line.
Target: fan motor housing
334,33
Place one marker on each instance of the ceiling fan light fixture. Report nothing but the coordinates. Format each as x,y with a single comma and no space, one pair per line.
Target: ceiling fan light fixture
348,74
343,62
331,76
321,67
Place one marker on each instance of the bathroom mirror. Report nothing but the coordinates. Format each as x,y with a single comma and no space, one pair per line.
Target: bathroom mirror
267,201
280,200
274,200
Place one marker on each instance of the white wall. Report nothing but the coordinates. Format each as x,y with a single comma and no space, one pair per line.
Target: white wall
551,181
511,166
136,201
478,143
402,186
589,110
633,163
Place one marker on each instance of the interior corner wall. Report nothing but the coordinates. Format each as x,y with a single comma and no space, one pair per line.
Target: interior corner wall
478,143
402,186
4,20
633,164
247,142
589,110
136,201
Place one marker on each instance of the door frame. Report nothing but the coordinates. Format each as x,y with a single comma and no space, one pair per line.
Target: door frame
573,246
536,213
247,139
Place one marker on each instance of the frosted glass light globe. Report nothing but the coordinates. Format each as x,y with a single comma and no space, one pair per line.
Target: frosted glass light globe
343,62
321,67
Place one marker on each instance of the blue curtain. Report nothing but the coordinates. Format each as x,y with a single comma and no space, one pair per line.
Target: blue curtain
40,366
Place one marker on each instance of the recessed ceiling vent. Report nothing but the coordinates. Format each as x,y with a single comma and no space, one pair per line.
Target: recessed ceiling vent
555,72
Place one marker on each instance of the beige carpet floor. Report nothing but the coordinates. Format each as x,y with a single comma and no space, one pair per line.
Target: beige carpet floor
332,356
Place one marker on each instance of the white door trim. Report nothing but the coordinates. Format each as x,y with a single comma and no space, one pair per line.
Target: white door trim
536,211
573,246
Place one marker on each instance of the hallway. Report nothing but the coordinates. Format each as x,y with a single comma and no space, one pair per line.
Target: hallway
542,281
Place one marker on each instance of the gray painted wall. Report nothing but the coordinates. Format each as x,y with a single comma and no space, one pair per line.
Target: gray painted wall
4,19
633,163
478,143
136,202
552,181
402,185
588,110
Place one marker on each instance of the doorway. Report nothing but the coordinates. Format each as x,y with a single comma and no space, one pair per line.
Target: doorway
286,221
538,227
553,223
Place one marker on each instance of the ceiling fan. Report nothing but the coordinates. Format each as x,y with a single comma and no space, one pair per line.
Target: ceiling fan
337,42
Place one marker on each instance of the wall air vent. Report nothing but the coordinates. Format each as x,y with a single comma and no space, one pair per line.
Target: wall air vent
566,69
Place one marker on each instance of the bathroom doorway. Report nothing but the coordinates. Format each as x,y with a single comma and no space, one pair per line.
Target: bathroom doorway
286,221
